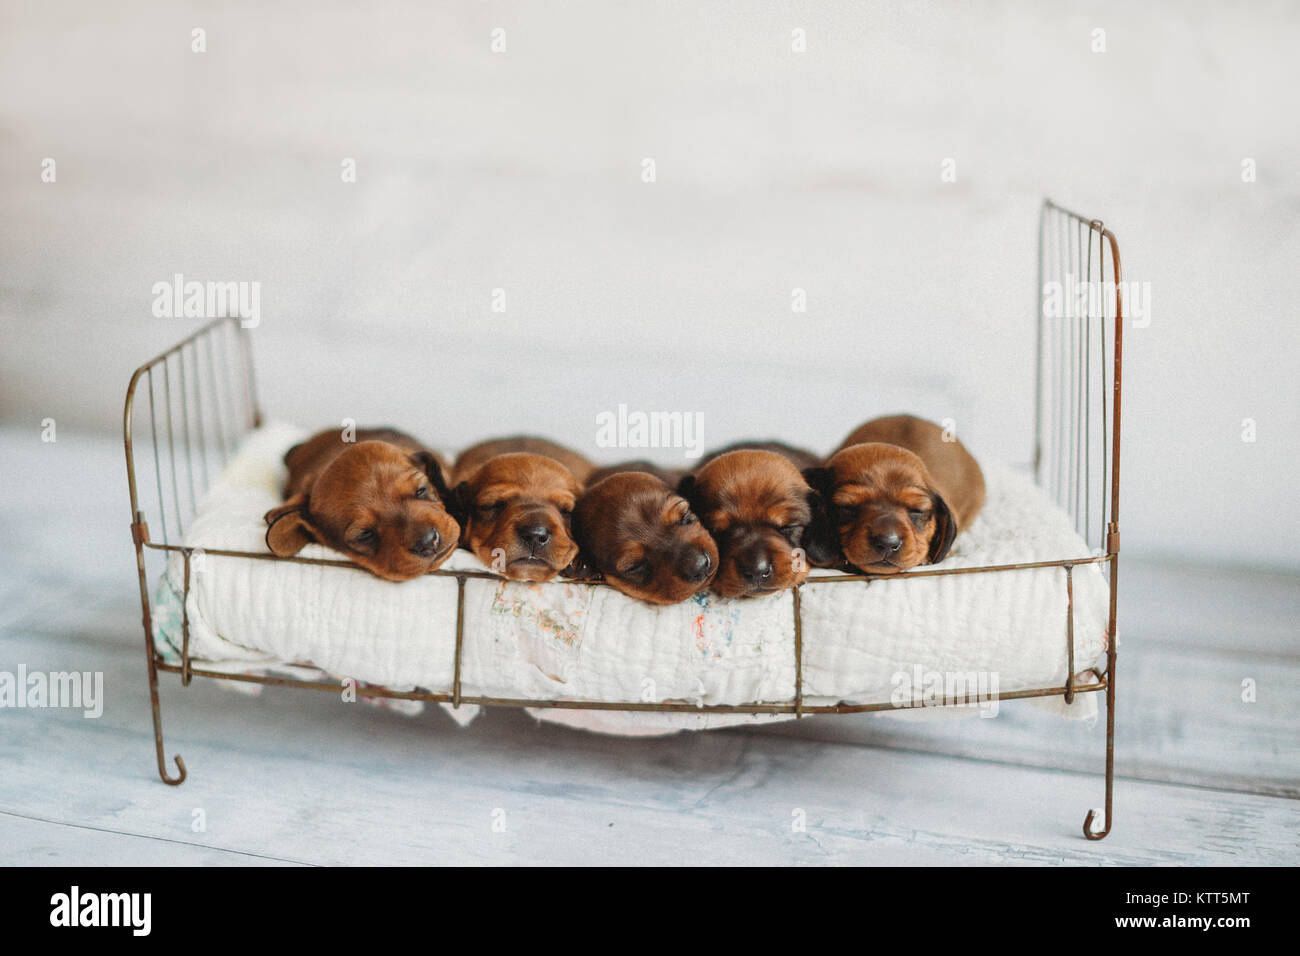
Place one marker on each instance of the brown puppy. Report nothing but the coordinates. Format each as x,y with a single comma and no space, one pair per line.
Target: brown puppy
757,506
378,499
897,493
514,499
643,538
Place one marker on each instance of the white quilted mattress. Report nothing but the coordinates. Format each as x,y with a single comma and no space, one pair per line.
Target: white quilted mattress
862,642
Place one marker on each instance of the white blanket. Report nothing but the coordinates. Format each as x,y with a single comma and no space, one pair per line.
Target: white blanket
895,639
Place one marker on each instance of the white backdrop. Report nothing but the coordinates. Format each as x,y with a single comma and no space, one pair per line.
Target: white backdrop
522,170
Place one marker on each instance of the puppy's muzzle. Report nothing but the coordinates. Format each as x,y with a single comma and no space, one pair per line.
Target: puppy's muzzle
886,545
695,566
755,567
426,545
535,537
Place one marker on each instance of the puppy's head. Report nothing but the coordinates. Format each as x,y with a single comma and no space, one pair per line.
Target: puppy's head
514,513
883,504
644,538
757,506
377,504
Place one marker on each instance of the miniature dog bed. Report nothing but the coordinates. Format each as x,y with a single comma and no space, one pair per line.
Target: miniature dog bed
862,642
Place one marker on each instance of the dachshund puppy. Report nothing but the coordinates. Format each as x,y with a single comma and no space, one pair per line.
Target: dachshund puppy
757,506
514,499
897,494
643,538
378,500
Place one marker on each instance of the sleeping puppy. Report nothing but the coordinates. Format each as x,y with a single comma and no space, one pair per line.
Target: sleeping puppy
378,500
757,506
897,494
643,538
514,499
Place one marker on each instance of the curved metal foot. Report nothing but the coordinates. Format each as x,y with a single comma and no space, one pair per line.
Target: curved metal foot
1088,830
162,771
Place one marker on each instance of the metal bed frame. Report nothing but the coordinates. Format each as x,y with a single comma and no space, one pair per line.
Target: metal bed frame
202,400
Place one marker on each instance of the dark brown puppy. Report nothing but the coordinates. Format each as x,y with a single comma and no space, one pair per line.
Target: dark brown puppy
378,499
643,538
514,499
757,507
897,493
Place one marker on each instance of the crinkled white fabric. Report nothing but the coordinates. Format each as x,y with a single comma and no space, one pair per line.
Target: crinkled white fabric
862,642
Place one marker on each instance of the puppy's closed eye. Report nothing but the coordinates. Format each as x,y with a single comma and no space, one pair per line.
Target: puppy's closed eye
638,572
365,541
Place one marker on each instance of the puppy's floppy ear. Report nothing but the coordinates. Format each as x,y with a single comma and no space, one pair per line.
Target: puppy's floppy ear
945,529
432,468
288,529
686,488
819,478
580,569
459,503
821,542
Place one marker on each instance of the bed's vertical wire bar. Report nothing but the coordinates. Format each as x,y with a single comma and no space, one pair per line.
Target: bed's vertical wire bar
186,675
250,379
1038,350
1067,360
1081,352
222,384
1062,362
1069,634
198,415
171,446
157,466
798,651
1087,404
460,639
1072,467
217,427
228,332
185,427
1049,361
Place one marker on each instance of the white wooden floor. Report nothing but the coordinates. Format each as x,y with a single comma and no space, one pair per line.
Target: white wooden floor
298,778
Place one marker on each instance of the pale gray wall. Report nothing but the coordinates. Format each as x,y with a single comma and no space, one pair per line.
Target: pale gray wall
775,170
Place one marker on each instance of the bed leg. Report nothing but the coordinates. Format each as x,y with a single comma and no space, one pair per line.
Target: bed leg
140,534
1110,755
158,733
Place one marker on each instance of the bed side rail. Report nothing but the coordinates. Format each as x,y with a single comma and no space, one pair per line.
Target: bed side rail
187,410
1078,366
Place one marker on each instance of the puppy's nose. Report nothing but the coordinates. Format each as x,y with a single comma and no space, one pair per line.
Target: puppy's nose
696,566
535,535
756,570
427,545
886,544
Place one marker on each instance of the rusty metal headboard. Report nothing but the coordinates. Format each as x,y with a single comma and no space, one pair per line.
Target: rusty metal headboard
197,401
